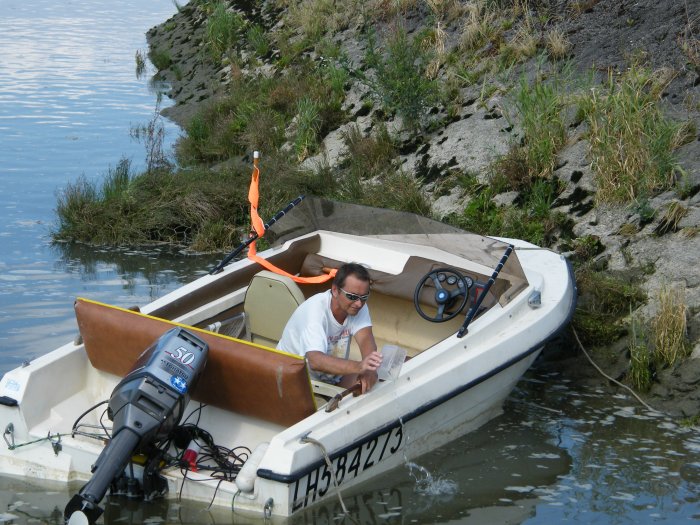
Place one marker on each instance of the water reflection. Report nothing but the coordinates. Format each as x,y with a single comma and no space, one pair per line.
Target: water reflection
159,267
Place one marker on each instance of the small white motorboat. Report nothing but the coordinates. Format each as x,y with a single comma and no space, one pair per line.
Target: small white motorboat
187,396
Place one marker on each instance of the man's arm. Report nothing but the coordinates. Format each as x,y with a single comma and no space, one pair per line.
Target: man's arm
351,370
368,349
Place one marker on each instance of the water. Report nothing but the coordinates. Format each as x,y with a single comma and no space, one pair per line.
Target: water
68,99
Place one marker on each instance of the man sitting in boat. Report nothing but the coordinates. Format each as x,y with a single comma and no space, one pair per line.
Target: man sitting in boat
322,327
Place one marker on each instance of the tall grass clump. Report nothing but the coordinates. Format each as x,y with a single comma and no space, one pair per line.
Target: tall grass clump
80,203
631,141
604,302
258,41
668,327
539,105
152,135
481,25
160,59
640,371
307,127
399,81
223,29
140,58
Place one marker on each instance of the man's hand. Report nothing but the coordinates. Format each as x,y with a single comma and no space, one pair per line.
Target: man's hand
369,365
370,362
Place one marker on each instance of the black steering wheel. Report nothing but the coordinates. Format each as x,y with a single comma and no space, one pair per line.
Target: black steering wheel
449,285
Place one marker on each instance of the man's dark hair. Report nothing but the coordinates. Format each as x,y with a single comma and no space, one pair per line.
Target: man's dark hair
355,269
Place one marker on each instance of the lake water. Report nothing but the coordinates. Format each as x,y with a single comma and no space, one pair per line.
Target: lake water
69,96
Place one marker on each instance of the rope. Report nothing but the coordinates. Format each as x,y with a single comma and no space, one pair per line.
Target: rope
324,452
606,376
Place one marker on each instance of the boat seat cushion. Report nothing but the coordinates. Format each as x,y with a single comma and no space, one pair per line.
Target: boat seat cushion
269,303
239,376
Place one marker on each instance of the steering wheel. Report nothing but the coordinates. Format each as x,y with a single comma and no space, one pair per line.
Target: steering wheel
449,286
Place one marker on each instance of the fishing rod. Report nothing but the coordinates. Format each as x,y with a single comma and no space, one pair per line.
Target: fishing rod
254,235
475,307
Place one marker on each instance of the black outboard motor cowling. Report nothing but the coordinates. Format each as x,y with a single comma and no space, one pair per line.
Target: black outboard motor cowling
144,407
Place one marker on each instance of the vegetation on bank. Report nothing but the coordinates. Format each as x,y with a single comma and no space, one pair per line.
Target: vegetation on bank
288,88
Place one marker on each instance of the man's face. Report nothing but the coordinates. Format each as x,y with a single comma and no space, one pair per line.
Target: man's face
352,286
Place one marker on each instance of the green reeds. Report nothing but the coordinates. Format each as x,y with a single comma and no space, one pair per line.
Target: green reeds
539,105
223,28
631,141
639,374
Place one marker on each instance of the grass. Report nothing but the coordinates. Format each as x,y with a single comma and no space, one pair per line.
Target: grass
668,327
151,135
539,106
640,372
663,342
258,112
258,40
160,59
223,30
557,45
399,78
164,208
631,141
307,127
673,215
287,111
604,302
140,60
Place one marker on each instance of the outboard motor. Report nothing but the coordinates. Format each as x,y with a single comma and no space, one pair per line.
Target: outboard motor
144,407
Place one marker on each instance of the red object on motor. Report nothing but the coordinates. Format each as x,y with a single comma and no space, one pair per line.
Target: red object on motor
190,455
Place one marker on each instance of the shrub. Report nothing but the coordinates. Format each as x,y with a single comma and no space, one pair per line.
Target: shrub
399,80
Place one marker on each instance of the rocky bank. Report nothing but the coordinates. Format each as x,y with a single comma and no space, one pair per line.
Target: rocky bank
603,35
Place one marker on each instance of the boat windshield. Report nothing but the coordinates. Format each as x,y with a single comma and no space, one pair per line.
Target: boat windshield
314,214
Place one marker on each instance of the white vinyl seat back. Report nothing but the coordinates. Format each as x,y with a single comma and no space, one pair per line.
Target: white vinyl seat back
269,303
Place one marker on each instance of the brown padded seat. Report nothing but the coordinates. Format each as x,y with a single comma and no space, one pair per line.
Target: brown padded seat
239,376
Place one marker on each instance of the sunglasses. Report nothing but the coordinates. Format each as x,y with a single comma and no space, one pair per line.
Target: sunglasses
354,297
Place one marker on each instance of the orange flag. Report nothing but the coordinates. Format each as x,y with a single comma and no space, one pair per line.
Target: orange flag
259,228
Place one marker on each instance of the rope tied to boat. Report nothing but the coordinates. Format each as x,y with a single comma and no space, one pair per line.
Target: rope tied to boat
329,463
609,378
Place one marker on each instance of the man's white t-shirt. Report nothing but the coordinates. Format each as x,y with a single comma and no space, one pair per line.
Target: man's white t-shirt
313,327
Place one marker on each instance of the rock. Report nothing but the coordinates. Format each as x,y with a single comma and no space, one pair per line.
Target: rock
505,199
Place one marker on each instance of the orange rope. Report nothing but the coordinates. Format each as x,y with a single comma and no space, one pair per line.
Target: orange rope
259,228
